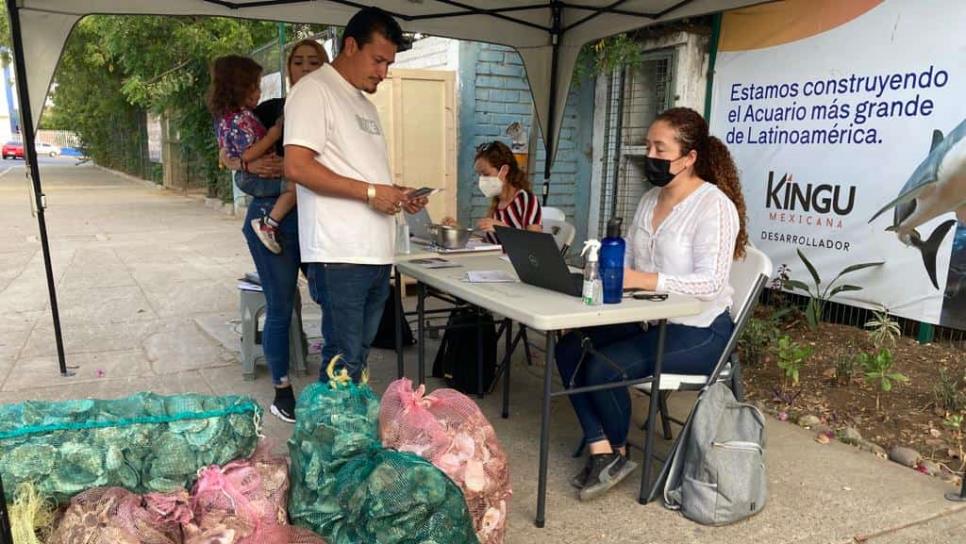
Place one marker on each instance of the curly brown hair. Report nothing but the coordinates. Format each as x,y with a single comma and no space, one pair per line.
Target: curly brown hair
232,79
714,163
498,155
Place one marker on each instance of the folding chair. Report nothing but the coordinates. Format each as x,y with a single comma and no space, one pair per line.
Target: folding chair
553,214
748,279
563,233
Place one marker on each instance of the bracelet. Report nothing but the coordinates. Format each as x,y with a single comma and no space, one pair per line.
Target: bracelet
370,193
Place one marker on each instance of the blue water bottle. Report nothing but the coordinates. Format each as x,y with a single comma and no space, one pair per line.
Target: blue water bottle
612,262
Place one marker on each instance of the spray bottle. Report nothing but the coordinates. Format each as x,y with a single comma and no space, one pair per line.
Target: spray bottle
612,250
592,293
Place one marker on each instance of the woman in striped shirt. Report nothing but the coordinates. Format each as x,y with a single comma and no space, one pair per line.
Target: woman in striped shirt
501,180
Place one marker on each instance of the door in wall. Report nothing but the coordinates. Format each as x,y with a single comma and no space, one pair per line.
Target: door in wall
417,109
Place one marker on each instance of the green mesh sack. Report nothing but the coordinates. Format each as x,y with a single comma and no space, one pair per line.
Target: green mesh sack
391,497
143,443
334,422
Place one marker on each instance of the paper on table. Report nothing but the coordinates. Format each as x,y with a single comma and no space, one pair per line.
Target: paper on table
435,263
489,276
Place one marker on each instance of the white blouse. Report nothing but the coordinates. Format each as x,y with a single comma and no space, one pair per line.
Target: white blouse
691,250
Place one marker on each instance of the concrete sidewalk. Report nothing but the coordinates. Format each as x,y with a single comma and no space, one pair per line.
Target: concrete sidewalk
148,301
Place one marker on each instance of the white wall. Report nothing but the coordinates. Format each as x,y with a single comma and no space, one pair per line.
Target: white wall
689,72
691,66
431,53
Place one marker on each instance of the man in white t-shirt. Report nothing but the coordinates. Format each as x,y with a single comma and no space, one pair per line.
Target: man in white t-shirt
336,152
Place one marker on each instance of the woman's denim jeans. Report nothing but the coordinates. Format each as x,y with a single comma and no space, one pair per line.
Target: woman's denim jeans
279,276
605,415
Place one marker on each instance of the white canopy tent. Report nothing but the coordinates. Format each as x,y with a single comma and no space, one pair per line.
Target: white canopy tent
548,34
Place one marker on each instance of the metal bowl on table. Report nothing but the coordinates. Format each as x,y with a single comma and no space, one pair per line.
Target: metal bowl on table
450,236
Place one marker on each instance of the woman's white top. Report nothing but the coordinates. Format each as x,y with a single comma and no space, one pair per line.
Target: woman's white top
691,250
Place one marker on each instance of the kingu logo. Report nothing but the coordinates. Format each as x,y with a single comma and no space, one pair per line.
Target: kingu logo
786,194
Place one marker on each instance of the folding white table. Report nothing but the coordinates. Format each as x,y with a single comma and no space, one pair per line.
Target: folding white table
548,311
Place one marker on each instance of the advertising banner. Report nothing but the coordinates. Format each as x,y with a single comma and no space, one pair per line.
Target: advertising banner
847,121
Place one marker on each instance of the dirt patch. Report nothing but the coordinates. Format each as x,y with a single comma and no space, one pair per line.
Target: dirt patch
910,415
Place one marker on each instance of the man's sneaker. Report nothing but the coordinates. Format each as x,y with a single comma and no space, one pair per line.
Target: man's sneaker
283,407
606,471
267,234
580,478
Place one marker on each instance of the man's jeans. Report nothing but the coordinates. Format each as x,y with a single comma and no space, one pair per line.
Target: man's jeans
352,297
279,276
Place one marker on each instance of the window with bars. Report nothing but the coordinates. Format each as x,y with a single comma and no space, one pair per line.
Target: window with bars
636,94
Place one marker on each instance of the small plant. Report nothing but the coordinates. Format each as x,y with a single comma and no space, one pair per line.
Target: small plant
878,371
782,275
784,396
955,424
791,358
883,330
820,296
947,393
845,368
758,338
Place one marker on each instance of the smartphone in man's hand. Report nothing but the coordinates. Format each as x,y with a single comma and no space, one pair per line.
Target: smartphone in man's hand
423,192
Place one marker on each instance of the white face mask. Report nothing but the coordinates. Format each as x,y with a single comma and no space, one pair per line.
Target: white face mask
490,186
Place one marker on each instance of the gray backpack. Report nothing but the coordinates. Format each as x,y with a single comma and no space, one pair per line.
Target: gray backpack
717,473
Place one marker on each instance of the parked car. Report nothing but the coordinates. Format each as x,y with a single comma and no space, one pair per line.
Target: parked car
47,149
12,149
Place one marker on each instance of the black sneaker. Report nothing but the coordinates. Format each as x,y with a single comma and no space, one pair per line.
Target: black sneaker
283,407
606,471
580,479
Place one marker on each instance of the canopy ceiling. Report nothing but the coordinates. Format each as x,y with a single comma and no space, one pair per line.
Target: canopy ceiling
530,26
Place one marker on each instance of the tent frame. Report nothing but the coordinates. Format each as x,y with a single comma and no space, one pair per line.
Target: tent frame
550,125
556,30
39,199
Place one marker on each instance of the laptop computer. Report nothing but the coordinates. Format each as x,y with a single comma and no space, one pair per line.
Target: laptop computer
538,262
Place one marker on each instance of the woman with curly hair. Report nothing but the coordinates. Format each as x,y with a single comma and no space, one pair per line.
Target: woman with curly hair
686,232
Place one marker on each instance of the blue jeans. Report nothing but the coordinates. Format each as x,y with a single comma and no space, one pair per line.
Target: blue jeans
257,186
279,275
606,415
352,297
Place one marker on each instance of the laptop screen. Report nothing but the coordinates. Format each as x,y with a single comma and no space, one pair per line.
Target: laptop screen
537,260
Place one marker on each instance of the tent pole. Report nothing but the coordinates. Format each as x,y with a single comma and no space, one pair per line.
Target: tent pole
30,157
6,536
556,32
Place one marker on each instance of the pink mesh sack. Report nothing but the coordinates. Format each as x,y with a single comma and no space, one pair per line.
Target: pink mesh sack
237,503
231,531
449,430
112,515
292,535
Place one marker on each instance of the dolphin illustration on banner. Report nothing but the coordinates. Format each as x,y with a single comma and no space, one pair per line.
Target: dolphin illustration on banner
936,187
